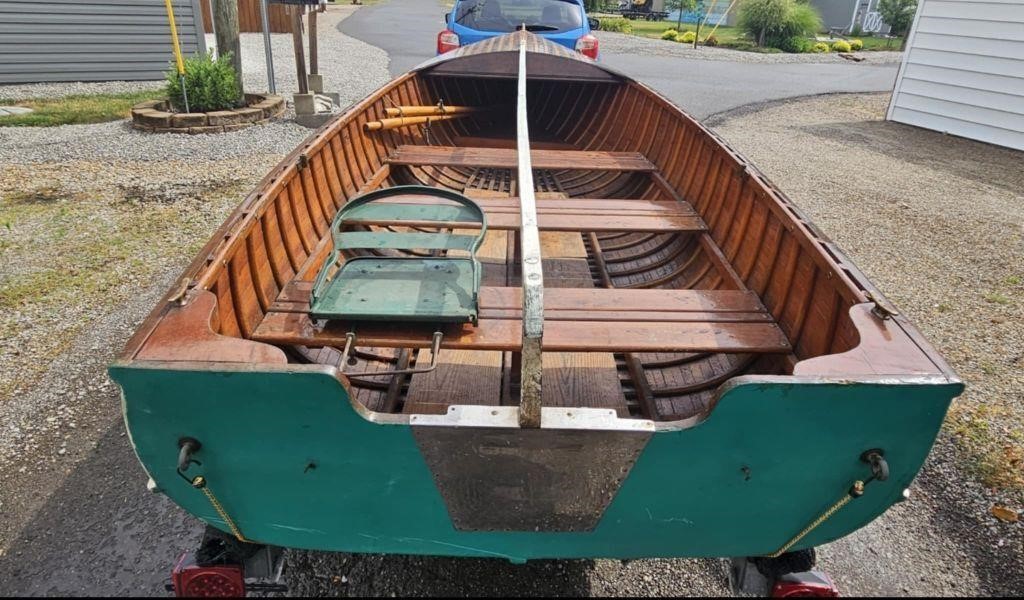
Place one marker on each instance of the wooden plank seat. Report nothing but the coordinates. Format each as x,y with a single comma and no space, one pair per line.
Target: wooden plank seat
506,158
575,320
568,214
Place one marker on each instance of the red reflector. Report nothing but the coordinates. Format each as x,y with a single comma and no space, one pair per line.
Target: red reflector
587,46
447,41
194,581
811,584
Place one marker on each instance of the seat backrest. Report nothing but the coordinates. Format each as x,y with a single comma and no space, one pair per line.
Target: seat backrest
410,206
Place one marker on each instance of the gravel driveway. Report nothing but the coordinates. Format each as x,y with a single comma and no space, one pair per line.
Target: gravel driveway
106,218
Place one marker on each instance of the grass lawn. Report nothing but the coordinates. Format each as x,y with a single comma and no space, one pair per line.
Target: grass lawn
95,108
733,37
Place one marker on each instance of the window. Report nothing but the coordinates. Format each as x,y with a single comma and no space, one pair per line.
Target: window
509,15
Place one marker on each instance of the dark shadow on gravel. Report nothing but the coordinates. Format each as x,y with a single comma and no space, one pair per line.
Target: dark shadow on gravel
996,549
101,533
980,162
339,574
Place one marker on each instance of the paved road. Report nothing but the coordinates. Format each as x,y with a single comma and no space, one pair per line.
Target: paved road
702,88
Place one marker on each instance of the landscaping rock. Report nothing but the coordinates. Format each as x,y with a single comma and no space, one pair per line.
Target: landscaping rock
188,119
155,118
223,117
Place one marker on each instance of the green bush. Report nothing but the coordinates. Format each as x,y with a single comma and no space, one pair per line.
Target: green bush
795,44
617,24
771,22
686,37
210,84
841,46
857,30
669,34
820,47
711,40
856,45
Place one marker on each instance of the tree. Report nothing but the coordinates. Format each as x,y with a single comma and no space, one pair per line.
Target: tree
225,24
681,6
898,14
774,22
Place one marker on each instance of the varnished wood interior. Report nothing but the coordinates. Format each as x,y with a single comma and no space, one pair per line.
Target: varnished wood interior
751,238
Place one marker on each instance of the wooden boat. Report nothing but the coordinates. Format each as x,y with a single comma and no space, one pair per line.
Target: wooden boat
687,368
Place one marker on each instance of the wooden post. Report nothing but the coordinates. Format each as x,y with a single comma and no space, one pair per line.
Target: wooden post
300,57
225,27
314,66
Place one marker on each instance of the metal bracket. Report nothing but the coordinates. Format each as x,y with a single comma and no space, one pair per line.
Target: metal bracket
350,342
882,309
879,466
181,292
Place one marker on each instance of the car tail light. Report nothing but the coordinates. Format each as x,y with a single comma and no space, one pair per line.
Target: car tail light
194,581
811,584
587,46
447,41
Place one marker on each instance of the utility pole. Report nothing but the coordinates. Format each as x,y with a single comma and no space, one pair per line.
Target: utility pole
225,27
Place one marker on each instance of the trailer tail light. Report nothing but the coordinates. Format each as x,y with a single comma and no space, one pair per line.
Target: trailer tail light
587,46
447,41
194,581
810,584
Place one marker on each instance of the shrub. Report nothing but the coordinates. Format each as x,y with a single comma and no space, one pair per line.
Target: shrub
711,40
819,47
210,84
899,14
856,45
769,22
841,46
857,30
686,37
795,44
617,24
669,34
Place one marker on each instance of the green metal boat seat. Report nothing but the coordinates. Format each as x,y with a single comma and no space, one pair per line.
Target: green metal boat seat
441,288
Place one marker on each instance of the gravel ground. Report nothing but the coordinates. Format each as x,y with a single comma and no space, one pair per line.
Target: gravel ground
21,91
621,43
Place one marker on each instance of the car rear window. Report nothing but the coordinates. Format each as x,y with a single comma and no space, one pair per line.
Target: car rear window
508,15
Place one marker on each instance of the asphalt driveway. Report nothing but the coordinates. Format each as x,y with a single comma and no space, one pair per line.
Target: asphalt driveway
407,31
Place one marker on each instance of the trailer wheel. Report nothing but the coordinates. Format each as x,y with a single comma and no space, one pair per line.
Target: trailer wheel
790,562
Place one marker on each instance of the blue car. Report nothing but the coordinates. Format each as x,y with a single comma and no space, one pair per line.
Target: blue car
561,21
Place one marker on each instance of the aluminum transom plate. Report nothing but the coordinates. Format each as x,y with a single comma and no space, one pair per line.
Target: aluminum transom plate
523,479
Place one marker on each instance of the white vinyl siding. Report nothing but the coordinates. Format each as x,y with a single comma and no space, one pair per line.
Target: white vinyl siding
93,40
963,71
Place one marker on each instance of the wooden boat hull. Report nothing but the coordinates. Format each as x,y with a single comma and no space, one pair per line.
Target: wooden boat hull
763,428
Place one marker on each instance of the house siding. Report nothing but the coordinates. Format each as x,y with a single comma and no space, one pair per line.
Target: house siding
93,40
963,72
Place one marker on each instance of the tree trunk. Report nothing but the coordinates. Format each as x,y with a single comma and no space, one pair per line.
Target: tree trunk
225,26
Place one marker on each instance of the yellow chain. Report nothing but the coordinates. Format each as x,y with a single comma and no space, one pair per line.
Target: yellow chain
200,484
855,491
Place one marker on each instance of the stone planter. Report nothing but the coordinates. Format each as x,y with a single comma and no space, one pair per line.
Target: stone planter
155,116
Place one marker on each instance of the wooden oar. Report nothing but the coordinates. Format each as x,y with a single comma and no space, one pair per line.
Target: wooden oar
385,124
429,111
